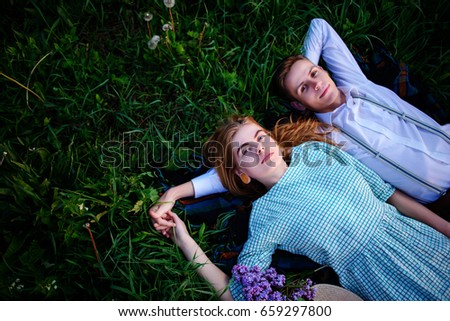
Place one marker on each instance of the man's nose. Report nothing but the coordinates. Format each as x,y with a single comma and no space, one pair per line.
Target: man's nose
317,84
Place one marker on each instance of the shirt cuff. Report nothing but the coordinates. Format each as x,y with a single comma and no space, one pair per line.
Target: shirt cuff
207,184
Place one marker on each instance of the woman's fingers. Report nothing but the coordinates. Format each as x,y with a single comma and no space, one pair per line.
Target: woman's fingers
164,220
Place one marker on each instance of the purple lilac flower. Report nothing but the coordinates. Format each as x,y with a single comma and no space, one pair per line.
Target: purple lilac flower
263,286
306,292
276,296
238,272
276,280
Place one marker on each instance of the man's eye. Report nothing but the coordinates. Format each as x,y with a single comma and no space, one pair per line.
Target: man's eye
314,73
303,88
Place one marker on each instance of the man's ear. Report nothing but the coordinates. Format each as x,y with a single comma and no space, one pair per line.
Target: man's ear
297,105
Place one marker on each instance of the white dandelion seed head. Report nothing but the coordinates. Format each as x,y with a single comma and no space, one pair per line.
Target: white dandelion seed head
167,27
169,3
148,16
153,43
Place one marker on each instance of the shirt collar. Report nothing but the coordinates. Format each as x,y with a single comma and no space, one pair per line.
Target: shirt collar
350,103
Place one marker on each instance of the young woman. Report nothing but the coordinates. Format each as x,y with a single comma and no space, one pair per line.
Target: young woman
330,207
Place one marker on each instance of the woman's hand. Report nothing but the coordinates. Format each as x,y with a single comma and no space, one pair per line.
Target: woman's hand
179,234
162,222
159,212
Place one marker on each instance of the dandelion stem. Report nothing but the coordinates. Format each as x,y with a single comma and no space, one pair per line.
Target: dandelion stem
200,38
88,227
149,29
171,19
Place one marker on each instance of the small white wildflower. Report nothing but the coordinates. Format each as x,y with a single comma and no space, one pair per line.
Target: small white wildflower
32,149
16,285
81,206
148,16
169,3
167,27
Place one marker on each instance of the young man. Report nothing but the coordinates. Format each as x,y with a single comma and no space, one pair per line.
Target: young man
400,143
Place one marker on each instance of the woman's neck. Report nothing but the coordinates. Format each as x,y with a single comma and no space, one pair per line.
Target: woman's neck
271,180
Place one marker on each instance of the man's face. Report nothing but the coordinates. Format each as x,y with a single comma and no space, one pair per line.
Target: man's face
312,87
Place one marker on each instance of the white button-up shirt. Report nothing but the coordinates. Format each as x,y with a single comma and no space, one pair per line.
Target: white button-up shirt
413,148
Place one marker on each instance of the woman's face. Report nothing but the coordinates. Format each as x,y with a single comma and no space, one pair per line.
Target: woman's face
257,154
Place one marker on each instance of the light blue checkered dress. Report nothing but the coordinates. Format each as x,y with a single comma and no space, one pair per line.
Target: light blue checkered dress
331,208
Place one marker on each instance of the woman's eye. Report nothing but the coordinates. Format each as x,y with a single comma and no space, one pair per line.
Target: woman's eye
303,88
314,73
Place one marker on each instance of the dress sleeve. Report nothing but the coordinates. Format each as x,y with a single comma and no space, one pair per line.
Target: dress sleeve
207,184
322,40
257,251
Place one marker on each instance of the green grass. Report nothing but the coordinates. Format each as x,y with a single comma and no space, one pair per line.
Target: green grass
98,90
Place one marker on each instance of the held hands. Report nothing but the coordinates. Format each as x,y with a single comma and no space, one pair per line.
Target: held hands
161,212
161,220
179,234
172,227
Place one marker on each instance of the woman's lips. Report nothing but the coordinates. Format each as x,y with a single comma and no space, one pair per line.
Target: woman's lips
266,158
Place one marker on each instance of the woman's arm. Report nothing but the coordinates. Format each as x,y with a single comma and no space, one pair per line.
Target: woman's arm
414,209
206,184
192,251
